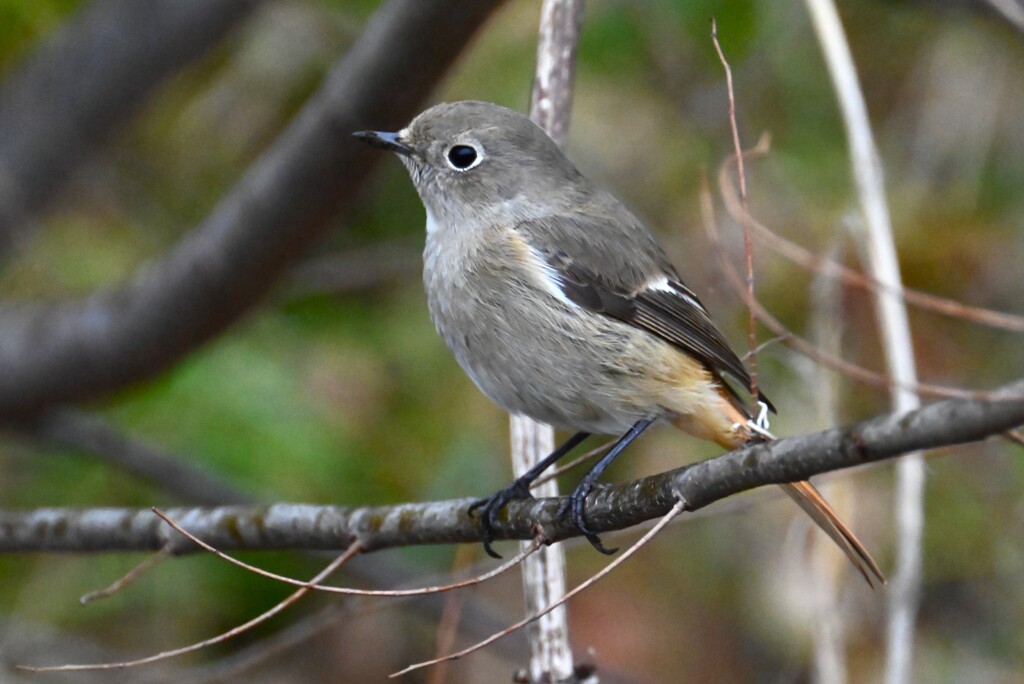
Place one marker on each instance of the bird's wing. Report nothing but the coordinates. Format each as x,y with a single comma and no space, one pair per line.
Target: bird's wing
614,266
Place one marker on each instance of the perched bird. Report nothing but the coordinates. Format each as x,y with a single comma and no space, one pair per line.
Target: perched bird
562,306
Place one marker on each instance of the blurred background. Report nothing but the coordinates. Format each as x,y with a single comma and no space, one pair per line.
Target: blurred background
337,390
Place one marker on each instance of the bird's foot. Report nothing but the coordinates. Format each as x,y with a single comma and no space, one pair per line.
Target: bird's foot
491,506
574,506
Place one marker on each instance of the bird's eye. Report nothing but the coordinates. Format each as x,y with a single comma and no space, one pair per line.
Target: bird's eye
463,157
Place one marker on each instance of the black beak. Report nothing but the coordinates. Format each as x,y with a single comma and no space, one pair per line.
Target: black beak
385,141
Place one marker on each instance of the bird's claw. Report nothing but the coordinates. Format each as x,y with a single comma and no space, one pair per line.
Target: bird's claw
491,506
574,506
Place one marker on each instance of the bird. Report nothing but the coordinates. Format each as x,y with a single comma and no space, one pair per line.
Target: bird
561,305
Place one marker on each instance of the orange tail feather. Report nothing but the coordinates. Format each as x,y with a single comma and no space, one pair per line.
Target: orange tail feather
721,421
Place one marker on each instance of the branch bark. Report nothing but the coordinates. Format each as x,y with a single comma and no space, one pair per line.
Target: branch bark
75,350
944,423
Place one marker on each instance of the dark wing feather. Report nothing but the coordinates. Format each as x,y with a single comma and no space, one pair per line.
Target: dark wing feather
611,273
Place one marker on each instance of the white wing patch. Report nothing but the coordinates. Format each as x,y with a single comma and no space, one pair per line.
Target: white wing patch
547,277
661,284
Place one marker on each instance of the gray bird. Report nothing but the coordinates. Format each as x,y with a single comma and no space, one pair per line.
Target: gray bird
562,306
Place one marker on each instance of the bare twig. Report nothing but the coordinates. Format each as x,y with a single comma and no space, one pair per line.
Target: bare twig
790,338
1012,11
579,460
800,255
827,567
349,553
150,562
678,508
448,625
528,549
923,300
1014,436
751,357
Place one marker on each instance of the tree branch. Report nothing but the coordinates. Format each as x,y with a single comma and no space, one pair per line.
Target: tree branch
944,423
544,575
69,351
176,475
87,79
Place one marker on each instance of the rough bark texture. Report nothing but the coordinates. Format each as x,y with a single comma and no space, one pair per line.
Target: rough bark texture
945,423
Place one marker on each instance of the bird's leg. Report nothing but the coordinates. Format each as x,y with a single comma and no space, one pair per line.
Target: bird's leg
578,498
520,489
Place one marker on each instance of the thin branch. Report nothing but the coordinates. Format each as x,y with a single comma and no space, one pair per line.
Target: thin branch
528,549
147,564
173,474
333,566
1014,436
304,526
790,338
544,573
451,616
751,358
827,567
894,330
803,257
551,99
73,350
578,461
1011,10
678,508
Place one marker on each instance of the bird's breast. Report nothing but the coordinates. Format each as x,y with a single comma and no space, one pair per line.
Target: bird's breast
534,353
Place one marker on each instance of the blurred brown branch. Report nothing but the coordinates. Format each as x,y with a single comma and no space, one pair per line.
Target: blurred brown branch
74,350
85,82
944,423
182,477
788,337
804,258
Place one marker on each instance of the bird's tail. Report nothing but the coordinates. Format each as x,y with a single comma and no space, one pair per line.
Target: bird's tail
815,506
731,427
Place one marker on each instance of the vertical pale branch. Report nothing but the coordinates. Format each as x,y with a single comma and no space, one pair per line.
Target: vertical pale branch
1011,10
894,328
544,572
827,565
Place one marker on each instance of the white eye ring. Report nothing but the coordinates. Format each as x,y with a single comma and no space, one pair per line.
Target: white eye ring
462,157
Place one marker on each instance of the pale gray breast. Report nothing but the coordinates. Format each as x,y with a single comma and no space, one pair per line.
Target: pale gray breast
528,350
